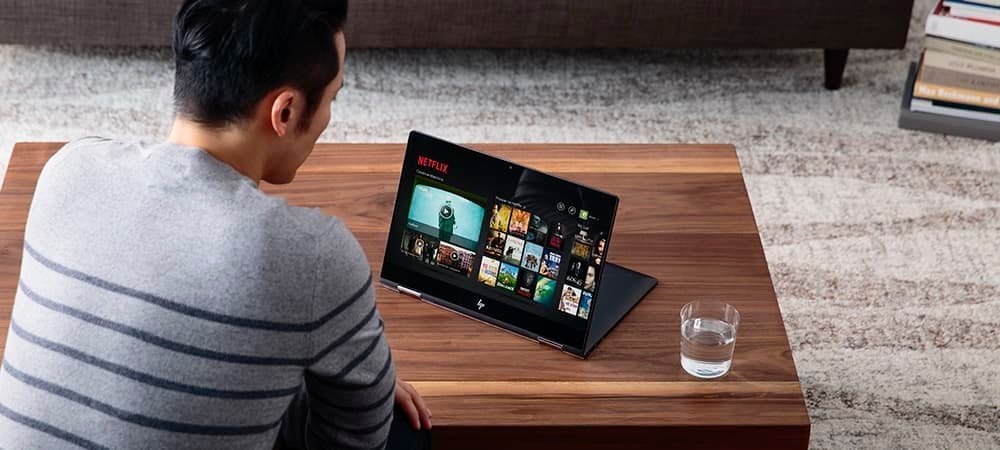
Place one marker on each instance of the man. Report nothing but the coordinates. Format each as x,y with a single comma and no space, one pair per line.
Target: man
166,302
446,221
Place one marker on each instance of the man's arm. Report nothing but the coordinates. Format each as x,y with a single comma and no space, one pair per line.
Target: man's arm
352,380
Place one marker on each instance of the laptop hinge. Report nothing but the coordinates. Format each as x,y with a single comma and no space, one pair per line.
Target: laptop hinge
550,343
409,292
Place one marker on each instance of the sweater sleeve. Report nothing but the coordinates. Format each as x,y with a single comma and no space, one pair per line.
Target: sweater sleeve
351,380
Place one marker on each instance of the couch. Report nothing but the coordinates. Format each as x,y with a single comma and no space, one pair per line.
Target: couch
834,26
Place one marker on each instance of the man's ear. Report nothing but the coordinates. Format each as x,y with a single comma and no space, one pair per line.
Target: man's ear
284,111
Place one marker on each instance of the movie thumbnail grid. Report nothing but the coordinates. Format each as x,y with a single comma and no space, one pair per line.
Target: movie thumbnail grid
523,255
434,252
585,260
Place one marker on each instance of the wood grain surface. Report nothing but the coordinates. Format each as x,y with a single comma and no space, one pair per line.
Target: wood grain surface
684,218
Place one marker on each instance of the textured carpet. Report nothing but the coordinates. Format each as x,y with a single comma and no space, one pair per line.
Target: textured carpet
884,244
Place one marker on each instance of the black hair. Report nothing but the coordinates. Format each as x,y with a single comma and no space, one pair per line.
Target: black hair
231,53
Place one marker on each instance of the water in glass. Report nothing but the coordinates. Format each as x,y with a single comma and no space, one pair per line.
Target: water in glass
707,346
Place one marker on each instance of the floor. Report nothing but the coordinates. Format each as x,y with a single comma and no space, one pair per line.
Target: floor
883,244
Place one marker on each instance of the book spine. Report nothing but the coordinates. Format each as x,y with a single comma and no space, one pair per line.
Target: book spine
941,124
955,63
972,15
951,78
985,3
932,91
939,24
962,49
929,106
987,13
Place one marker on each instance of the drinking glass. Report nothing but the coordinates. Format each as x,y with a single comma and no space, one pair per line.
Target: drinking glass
708,336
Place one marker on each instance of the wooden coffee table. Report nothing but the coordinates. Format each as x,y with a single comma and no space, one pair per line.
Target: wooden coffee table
684,218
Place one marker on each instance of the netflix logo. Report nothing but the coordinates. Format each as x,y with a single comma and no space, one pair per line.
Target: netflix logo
439,166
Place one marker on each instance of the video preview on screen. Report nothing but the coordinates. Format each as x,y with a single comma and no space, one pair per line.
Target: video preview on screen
548,258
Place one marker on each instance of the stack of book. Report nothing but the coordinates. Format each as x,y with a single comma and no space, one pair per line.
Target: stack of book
955,87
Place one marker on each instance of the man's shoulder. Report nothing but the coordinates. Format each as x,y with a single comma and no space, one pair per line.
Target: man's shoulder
83,153
332,236
329,238
90,144
310,221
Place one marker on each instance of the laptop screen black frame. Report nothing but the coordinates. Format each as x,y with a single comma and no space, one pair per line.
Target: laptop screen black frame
447,288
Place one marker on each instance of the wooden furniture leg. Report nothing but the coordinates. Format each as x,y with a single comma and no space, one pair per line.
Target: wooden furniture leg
834,61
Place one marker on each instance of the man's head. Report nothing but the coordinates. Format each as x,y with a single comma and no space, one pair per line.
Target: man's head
268,69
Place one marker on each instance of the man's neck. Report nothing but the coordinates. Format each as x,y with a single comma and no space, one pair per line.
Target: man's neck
231,145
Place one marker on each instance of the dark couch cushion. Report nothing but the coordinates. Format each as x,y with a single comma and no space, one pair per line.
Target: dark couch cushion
507,23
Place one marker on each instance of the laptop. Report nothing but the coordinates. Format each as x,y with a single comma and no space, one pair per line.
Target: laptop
508,245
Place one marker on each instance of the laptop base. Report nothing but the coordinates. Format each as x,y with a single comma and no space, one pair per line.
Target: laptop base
621,289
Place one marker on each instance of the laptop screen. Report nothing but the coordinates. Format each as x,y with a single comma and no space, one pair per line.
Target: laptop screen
507,243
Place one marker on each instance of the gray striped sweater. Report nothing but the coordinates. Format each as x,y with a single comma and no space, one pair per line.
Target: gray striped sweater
165,302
